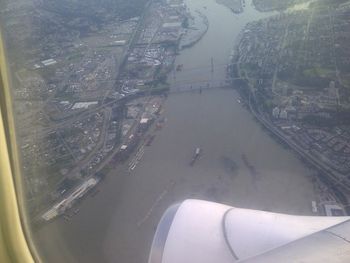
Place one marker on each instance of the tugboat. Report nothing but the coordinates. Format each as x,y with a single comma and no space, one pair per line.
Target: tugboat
149,140
196,155
179,67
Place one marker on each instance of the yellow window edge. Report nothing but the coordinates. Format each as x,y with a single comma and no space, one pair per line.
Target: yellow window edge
15,238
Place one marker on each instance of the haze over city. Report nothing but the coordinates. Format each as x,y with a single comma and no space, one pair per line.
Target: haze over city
126,107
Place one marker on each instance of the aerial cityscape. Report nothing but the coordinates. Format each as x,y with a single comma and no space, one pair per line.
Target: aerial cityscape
125,107
92,98
299,84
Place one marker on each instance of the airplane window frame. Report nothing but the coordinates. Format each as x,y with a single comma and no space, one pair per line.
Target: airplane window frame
15,237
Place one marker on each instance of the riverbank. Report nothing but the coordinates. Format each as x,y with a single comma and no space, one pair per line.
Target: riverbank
270,5
291,129
198,27
327,176
236,6
281,6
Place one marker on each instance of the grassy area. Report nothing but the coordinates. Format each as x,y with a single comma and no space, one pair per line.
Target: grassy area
47,72
277,4
329,3
319,72
75,56
161,87
156,88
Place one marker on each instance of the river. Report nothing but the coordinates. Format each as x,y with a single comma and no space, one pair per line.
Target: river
117,225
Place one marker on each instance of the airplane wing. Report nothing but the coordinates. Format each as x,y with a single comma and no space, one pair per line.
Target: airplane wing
205,232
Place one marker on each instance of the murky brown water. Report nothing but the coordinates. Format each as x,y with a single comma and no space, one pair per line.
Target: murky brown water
117,225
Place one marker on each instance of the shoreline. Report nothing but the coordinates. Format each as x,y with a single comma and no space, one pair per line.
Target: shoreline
190,43
233,5
324,173
328,176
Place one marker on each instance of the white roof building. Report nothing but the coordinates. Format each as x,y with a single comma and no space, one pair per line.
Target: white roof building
276,112
283,114
144,120
172,25
49,62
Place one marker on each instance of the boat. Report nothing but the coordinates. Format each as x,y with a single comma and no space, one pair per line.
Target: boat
149,140
179,67
159,125
196,155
